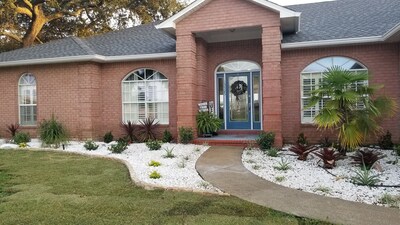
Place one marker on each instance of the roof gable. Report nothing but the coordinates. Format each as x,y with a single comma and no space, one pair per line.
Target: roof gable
286,14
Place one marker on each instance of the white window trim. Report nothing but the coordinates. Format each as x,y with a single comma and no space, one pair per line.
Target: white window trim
33,98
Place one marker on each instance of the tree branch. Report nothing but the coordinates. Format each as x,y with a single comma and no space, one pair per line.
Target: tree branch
21,10
28,3
13,36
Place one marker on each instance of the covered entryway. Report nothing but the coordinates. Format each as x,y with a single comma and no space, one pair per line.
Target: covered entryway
238,95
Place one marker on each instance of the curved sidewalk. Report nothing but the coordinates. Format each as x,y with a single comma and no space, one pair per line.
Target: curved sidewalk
222,167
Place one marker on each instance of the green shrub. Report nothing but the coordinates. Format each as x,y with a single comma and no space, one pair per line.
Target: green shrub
397,149
272,152
325,142
167,136
154,163
265,140
283,165
155,175
207,123
21,137
90,145
153,145
301,139
52,133
185,135
385,141
108,137
121,146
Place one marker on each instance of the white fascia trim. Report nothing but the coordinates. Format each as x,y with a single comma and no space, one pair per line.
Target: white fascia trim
89,58
171,22
333,42
392,32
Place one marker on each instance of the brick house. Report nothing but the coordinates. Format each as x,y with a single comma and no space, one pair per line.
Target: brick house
272,56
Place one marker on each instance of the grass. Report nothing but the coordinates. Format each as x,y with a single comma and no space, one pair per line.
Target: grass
59,188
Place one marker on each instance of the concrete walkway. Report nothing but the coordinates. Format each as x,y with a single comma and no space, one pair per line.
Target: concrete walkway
222,167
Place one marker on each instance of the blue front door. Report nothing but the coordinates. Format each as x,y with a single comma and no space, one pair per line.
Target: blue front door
238,98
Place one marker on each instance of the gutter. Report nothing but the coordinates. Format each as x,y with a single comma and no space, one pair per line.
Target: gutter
90,58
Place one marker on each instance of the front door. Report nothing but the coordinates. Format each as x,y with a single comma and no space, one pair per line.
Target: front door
238,94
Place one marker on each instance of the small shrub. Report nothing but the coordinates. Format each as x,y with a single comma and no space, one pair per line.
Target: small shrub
197,149
365,177
366,158
302,151
204,184
329,156
397,149
167,136
385,141
185,135
154,163
272,152
182,164
52,133
168,153
90,145
147,129
390,200
283,165
129,129
301,139
121,146
153,145
323,189
13,129
325,142
108,137
155,175
280,178
23,145
21,137
265,140
256,167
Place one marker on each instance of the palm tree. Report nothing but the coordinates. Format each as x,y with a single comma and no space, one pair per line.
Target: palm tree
349,106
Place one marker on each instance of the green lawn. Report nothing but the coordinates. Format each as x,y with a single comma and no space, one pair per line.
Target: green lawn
57,188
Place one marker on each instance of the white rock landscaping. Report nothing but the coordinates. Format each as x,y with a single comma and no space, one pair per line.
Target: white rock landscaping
176,173
311,177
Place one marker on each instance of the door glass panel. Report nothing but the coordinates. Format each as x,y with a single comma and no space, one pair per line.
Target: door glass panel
256,97
238,98
221,98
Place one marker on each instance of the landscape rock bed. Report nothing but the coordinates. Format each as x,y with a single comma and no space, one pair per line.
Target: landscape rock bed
309,175
176,173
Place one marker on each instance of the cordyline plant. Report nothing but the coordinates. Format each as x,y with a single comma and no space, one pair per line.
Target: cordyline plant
302,151
329,156
350,110
129,128
13,129
366,158
148,128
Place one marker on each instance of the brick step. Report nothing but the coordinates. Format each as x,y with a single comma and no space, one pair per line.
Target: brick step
250,132
213,142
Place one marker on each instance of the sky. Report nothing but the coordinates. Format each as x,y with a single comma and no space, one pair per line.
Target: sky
286,2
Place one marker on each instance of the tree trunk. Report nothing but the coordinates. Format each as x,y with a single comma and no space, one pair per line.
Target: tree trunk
36,26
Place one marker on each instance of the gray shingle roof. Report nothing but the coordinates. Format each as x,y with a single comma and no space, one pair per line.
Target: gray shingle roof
338,19
345,19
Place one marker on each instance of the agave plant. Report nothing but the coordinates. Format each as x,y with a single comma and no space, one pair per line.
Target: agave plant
366,158
130,128
365,177
147,129
353,112
302,151
329,156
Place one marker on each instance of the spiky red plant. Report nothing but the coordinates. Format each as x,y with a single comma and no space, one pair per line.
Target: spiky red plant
129,128
302,151
329,156
147,129
366,158
13,129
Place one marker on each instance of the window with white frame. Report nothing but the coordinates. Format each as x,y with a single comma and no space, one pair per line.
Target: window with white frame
145,95
27,100
312,76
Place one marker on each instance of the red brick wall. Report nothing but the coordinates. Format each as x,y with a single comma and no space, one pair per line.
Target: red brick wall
85,97
381,60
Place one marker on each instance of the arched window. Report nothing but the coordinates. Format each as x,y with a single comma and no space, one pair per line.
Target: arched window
27,100
312,76
145,95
